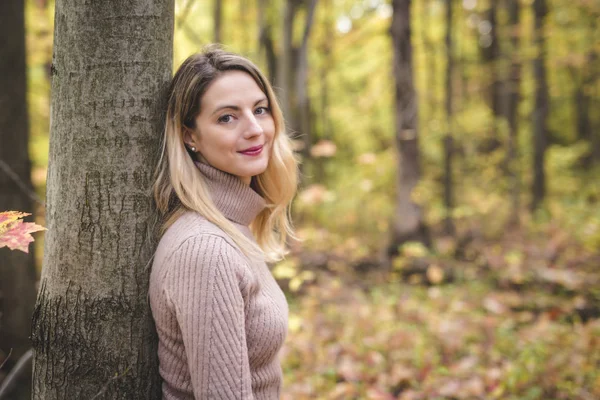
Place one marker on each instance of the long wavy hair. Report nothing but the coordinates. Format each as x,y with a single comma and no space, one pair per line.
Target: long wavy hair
178,184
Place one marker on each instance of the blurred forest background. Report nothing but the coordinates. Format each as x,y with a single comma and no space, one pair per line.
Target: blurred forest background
493,289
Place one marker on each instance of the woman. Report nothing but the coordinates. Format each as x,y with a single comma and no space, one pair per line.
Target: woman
224,182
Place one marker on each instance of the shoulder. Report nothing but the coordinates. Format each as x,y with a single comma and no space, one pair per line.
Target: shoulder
193,227
189,225
192,242
192,235
206,248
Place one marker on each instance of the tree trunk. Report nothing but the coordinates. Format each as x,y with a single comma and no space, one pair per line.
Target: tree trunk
431,70
284,69
243,25
17,269
93,335
302,100
540,112
512,115
584,108
265,40
593,105
408,224
582,118
448,140
593,59
491,57
217,20
325,47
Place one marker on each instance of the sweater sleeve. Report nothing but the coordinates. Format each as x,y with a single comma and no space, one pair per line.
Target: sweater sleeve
206,289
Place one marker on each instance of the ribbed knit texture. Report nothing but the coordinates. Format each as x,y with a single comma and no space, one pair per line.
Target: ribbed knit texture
221,319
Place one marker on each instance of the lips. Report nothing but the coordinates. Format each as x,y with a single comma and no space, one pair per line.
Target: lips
252,151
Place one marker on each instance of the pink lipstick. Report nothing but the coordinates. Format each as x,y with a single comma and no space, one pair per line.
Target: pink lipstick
252,151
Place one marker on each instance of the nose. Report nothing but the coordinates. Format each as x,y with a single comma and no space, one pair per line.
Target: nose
253,127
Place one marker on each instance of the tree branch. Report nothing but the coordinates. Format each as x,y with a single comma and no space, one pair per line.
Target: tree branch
11,174
19,369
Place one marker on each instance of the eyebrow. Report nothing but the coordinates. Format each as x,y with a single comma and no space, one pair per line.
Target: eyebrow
233,107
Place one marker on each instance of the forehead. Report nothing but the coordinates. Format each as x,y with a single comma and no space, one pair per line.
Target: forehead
231,87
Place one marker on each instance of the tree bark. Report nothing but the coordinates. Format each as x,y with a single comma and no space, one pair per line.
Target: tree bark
540,112
93,335
449,140
512,105
17,269
408,224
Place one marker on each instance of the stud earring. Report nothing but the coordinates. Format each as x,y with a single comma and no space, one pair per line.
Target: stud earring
193,149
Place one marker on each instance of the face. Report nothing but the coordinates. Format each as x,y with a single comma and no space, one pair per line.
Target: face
235,129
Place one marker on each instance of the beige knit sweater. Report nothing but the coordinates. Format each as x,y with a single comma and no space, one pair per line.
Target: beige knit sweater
221,320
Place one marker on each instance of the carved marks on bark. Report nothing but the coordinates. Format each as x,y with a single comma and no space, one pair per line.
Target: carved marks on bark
103,235
105,226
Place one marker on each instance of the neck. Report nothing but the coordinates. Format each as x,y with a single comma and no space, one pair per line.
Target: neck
246,179
233,196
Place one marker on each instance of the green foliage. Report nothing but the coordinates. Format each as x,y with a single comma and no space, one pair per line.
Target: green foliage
351,90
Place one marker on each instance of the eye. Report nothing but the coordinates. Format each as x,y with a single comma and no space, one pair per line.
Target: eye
262,110
225,118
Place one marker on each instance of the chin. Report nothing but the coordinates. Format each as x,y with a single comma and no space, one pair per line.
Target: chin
254,172
258,166
250,172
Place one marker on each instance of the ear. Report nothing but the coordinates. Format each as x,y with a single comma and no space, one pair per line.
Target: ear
188,138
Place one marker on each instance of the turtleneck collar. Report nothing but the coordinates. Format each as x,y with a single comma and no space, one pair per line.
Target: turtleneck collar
237,201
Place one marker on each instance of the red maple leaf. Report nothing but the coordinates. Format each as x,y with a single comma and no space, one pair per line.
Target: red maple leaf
14,233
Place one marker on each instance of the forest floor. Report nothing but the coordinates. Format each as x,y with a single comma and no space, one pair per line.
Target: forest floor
515,319
511,318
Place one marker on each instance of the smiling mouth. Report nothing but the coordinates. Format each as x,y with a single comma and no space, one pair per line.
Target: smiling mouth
252,151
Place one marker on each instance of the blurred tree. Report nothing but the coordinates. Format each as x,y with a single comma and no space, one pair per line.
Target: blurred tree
285,60
285,64
408,223
93,335
430,70
243,25
448,139
512,94
585,79
217,20
293,69
265,40
181,24
540,112
349,87
323,112
303,119
491,59
17,269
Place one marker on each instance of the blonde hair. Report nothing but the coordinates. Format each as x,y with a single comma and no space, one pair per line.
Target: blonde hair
178,184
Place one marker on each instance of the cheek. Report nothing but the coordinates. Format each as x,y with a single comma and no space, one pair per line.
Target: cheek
270,130
271,138
220,141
